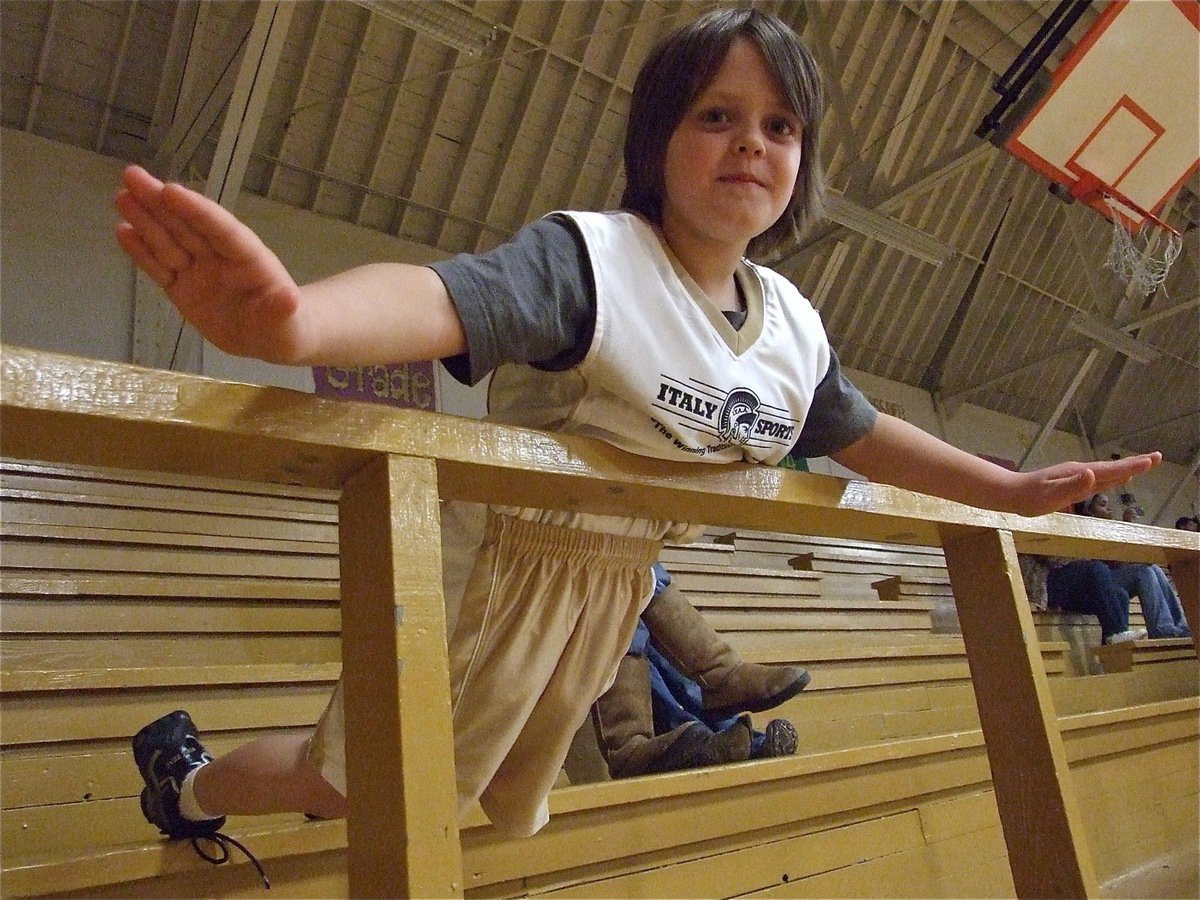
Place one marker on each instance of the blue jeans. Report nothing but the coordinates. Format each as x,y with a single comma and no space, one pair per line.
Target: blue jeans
1088,586
1160,603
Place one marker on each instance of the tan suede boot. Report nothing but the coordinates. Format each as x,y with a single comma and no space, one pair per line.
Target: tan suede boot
728,684
624,721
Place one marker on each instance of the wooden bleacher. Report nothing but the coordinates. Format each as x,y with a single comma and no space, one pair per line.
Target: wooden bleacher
894,790
916,578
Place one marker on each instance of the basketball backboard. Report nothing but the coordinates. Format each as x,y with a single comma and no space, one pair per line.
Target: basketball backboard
1119,125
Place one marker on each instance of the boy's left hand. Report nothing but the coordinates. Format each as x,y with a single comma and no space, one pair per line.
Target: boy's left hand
1058,487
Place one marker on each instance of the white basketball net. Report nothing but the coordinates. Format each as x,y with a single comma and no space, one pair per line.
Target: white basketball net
1133,258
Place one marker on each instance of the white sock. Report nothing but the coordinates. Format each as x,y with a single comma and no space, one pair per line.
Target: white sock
189,807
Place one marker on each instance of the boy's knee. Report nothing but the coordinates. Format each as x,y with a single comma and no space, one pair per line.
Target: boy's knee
323,800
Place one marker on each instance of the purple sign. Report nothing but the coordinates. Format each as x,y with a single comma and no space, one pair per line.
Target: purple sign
409,385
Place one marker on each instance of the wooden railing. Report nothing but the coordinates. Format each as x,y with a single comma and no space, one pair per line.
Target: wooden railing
392,467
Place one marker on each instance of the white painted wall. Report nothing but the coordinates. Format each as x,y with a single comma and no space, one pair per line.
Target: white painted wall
64,282
66,286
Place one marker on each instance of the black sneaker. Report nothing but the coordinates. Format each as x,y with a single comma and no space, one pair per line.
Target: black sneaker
166,750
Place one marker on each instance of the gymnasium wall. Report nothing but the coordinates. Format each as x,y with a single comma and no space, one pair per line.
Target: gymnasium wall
65,286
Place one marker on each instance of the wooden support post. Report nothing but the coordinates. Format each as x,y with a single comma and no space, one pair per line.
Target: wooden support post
1186,575
403,824
1043,826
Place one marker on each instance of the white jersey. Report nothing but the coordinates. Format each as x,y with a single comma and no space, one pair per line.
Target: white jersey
666,375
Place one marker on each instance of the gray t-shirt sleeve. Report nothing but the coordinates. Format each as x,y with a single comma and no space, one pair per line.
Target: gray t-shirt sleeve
531,300
840,414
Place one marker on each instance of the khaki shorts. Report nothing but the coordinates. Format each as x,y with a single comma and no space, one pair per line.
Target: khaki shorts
546,615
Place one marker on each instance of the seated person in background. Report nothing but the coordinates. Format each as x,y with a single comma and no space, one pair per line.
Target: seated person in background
1083,586
1187,523
679,692
1148,582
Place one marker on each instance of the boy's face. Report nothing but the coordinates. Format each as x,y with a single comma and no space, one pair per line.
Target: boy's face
732,163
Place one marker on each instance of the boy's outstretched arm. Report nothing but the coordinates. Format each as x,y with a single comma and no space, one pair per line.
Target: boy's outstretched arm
901,454
228,284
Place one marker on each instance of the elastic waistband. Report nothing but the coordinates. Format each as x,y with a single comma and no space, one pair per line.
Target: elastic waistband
561,539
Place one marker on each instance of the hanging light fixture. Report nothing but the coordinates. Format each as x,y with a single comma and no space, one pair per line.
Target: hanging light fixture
887,230
443,21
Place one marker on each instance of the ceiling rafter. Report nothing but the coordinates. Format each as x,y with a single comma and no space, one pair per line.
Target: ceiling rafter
948,344
505,151
575,192
564,115
1168,422
478,116
208,94
875,88
921,183
994,324
899,133
420,148
43,63
818,24
169,96
337,133
114,80
385,129
304,87
244,112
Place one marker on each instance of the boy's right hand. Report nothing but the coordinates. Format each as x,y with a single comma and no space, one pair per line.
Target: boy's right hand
223,279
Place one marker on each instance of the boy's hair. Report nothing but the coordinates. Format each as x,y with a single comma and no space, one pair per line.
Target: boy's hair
677,72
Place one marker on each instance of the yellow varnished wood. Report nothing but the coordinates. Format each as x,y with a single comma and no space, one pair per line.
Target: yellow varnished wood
292,501
106,524
130,678
1171,680
760,866
403,826
71,410
1038,808
149,652
1186,574
1141,807
160,868
109,498
609,829
34,719
393,466
822,620
1131,728
61,615
97,770
134,557
52,582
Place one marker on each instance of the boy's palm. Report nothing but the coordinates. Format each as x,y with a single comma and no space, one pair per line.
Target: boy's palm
216,271
1058,487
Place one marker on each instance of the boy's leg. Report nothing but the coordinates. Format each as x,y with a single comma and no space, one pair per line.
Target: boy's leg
529,658
189,793
271,774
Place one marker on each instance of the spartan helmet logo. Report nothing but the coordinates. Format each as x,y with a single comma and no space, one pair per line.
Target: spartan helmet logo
738,416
